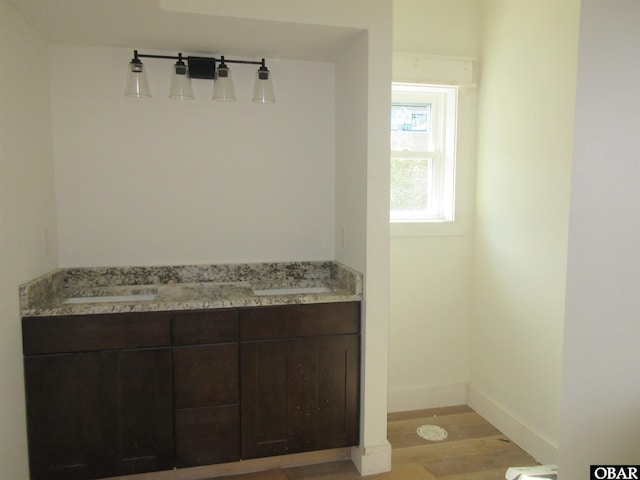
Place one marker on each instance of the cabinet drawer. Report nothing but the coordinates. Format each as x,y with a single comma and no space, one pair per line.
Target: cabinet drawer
79,333
205,326
264,323
207,435
206,375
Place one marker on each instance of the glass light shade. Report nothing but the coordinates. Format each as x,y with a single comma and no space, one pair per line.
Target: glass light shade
263,87
180,88
223,89
137,83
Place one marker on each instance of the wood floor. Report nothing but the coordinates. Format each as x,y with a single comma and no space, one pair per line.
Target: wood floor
473,450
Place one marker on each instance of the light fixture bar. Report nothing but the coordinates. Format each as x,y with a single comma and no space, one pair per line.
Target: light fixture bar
246,62
168,57
176,57
202,68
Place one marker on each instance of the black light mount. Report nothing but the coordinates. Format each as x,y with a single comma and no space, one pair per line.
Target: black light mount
181,68
202,67
263,71
136,64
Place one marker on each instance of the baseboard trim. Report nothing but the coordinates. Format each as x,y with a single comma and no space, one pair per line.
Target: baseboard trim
427,397
372,460
244,466
526,437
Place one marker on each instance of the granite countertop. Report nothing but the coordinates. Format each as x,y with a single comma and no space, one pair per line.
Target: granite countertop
95,290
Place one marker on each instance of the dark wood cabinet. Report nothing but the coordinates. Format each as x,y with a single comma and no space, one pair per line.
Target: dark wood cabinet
137,410
64,416
90,333
93,414
207,435
272,397
331,385
206,387
300,392
120,394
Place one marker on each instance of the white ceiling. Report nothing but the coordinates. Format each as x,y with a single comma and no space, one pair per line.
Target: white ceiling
145,24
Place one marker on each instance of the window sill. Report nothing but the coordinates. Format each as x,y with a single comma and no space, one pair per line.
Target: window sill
427,229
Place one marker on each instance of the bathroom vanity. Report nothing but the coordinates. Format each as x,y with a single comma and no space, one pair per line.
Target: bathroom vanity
146,369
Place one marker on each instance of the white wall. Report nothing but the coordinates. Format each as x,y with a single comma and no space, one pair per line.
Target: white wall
126,191
526,108
600,388
431,275
27,213
156,181
363,78
437,27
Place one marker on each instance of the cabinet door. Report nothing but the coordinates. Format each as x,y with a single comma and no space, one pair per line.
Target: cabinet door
64,416
271,386
332,383
138,410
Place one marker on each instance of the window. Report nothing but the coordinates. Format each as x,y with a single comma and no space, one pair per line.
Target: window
423,128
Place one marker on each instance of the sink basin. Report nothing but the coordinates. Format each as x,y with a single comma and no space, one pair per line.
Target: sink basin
291,291
146,297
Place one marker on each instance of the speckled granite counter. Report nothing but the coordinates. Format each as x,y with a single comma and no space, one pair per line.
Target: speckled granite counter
168,288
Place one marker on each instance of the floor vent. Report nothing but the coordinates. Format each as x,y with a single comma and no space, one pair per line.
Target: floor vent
433,433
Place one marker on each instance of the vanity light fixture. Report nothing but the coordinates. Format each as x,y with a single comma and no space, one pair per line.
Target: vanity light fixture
137,83
180,87
263,87
223,90
199,67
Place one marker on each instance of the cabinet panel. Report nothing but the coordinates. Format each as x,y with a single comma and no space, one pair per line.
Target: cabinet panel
80,333
206,375
290,321
138,410
271,397
207,435
332,384
64,416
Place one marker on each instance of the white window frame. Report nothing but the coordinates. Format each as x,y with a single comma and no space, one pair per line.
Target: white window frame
444,100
